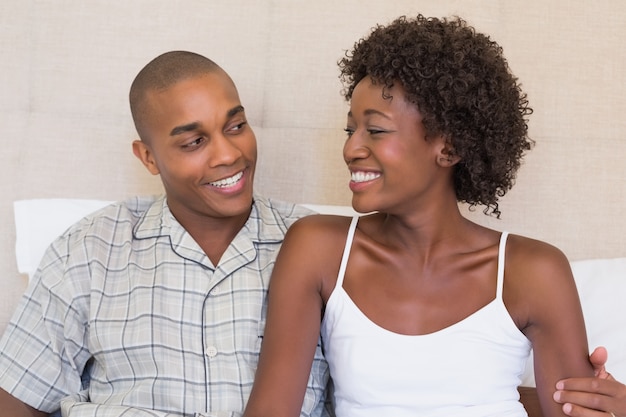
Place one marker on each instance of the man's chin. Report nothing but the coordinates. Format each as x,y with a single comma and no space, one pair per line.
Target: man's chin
240,207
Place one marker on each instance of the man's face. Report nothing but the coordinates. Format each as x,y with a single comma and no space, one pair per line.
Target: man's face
196,136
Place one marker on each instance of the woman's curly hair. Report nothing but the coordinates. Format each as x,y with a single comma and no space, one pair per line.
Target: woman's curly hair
462,85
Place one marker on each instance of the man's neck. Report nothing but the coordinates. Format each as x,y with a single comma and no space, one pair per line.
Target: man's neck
213,234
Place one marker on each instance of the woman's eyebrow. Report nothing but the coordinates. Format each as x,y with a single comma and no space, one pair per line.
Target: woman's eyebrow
370,112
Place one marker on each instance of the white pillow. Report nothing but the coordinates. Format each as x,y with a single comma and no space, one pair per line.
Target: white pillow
39,221
330,209
601,287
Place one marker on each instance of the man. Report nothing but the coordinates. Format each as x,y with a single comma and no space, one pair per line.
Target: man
156,307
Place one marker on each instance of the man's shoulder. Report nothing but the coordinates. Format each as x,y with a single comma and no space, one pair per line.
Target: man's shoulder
270,219
97,236
117,215
280,209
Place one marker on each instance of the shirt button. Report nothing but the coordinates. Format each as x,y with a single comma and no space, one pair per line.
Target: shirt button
215,290
211,351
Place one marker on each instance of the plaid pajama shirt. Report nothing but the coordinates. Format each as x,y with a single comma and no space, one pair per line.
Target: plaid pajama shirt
128,300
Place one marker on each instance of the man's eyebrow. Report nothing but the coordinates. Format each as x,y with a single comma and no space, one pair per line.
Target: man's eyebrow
189,127
184,128
235,110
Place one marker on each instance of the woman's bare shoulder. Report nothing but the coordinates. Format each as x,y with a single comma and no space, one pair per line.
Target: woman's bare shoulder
538,272
312,251
319,226
324,219
532,256
316,238
538,282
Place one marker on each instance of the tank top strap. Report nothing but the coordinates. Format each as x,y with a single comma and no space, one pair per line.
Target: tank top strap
346,251
501,251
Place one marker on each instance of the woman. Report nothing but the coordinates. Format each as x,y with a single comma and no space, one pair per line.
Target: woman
421,311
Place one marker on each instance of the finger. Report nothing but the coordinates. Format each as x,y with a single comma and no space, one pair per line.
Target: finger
598,359
601,372
599,356
607,387
583,399
574,410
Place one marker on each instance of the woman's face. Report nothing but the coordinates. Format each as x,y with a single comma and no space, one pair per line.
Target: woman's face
393,167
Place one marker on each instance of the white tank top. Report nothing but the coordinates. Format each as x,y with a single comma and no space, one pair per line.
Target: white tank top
471,368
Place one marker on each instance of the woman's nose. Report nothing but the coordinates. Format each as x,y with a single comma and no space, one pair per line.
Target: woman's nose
354,148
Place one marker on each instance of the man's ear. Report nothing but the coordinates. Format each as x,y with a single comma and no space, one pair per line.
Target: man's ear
144,154
447,157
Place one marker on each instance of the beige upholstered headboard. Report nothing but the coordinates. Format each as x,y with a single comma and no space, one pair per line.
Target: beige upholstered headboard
66,129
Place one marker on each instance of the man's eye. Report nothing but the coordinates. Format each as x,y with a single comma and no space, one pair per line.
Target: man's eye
239,126
194,143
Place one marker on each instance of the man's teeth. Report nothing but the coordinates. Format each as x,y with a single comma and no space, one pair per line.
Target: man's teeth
364,176
227,182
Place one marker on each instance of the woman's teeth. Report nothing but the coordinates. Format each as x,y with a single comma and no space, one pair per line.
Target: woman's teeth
364,176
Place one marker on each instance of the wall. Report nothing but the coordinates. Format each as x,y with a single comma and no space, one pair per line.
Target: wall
66,130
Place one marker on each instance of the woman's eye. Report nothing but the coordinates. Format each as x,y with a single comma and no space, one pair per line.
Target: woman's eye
349,131
375,131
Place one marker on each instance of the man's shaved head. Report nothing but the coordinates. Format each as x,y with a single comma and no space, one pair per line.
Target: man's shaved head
163,72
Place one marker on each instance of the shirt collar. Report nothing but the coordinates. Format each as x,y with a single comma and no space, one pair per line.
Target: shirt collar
264,224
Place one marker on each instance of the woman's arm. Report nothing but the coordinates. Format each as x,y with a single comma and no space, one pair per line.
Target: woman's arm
584,397
12,407
293,320
554,319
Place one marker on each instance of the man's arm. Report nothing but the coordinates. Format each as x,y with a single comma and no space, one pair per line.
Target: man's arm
12,407
585,397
